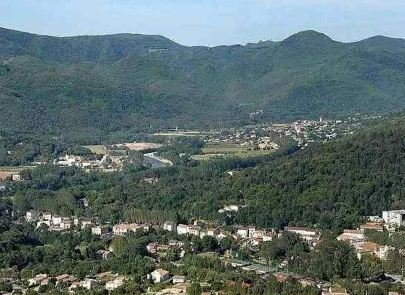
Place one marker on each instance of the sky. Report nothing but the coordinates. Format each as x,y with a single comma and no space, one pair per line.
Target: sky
208,22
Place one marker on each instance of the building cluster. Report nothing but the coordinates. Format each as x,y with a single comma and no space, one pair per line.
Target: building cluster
53,222
245,236
255,139
92,163
60,223
248,234
358,240
108,281
303,132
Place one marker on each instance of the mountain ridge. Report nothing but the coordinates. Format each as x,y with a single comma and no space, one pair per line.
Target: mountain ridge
131,82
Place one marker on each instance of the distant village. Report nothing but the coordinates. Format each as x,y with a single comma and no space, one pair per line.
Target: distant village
246,236
303,132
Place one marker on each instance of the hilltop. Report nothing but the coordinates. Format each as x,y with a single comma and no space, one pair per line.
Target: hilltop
93,85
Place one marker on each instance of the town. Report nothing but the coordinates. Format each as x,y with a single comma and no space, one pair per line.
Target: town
164,281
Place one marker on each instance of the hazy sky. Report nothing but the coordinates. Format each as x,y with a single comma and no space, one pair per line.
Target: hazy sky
208,22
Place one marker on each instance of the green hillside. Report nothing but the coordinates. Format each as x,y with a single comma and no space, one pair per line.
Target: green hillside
99,84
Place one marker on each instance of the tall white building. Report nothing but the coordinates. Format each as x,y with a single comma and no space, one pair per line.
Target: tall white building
394,217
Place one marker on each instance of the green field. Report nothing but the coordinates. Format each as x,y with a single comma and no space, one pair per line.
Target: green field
97,149
228,149
13,169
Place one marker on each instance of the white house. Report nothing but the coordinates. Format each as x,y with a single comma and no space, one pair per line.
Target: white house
182,229
169,226
243,232
56,220
114,284
160,275
66,223
395,218
85,223
124,228
304,232
179,279
194,230
88,283
99,230
47,216
31,215
37,279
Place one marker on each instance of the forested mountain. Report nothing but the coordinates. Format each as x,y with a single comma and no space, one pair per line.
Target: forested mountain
329,185
98,84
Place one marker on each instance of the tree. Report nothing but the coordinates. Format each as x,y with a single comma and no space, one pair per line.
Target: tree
194,289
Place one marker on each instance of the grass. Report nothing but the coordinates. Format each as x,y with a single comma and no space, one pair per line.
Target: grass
12,169
228,150
97,149
224,148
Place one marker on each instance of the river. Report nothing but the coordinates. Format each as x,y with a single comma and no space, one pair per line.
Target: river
155,161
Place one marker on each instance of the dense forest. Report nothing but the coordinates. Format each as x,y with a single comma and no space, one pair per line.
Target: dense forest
329,185
85,87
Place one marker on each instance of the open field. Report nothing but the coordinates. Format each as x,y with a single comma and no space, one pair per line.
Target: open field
140,146
185,133
228,150
97,149
224,148
13,169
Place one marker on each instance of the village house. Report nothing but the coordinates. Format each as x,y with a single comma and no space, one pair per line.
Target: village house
352,236
65,278
88,283
179,279
308,234
213,232
160,275
182,229
394,218
99,230
46,216
115,283
169,226
380,251
242,232
66,223
124,228
31,215
37,280
56,220
229,208
16,177
194,230
85,223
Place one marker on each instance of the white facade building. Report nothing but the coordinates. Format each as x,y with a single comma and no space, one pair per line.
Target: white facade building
182,229
160,275
394,218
